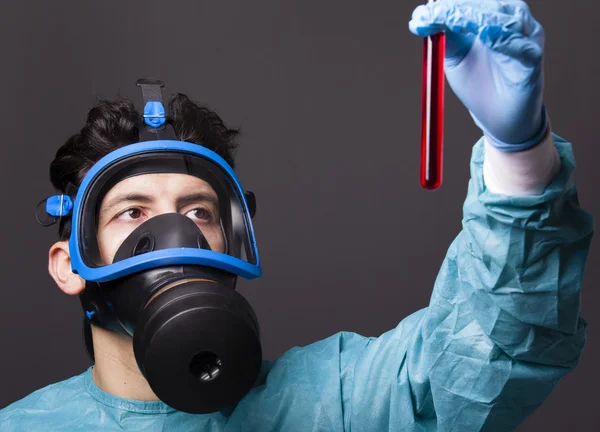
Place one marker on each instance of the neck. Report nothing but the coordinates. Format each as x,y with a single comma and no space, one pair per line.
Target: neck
115,370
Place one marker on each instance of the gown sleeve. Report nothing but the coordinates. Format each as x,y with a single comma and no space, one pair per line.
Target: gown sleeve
502,328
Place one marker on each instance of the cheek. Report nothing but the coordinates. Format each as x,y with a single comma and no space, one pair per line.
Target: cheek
109,242
219,244
215,239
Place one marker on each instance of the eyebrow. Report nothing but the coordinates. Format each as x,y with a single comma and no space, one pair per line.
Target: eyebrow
137,197
198,197
122,198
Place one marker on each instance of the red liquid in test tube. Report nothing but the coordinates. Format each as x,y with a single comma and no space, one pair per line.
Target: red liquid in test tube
432,115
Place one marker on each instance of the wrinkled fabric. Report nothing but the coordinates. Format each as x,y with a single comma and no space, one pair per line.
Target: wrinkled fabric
502,328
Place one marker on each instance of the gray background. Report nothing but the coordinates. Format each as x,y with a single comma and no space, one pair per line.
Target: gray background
328,98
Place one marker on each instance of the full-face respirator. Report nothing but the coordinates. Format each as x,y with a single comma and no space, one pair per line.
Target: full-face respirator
195,338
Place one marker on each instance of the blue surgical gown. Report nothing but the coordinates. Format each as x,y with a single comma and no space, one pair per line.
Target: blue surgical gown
502,328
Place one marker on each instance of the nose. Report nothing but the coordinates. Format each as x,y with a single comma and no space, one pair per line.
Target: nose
166,231
164,206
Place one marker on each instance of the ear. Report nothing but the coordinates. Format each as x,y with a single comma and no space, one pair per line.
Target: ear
59,266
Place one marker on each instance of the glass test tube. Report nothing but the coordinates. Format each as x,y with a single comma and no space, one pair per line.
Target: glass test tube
432,112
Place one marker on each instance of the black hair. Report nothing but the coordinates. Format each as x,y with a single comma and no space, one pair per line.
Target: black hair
112,124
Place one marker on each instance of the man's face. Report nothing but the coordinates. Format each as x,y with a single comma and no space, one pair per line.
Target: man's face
136,199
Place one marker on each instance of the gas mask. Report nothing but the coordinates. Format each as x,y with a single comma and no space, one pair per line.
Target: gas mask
171,284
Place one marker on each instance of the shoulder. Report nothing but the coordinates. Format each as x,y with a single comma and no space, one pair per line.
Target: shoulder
34,411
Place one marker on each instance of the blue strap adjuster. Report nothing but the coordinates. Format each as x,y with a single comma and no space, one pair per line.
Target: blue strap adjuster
59,205
154,114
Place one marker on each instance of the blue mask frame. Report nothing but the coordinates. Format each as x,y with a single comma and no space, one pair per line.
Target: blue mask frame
60,205
154,117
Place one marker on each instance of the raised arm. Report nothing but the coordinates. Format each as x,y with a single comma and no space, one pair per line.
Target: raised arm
503,324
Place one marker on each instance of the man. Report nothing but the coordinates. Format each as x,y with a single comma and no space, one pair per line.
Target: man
502,328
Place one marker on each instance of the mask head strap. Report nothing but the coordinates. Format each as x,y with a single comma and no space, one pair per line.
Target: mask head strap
155,124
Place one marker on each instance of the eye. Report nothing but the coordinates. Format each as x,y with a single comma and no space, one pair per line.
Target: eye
132,213
201,214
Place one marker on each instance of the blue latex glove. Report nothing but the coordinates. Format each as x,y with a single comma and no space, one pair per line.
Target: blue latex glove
493,63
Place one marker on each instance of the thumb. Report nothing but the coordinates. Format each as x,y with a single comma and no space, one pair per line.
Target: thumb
457,43
505,27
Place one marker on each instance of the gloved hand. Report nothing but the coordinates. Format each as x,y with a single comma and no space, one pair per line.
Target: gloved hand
493,63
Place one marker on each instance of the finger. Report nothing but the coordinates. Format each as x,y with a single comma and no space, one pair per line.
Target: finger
457,47
529,51
504,26
520,10
457,43
469,16
527,44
